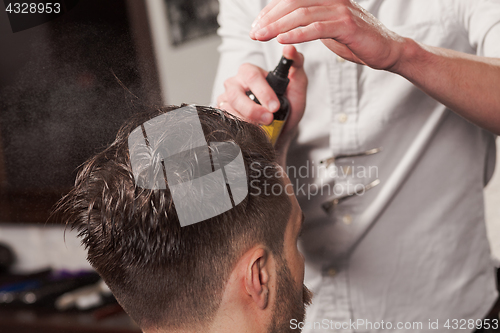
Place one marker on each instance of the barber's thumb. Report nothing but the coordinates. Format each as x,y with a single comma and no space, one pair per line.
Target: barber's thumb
290,52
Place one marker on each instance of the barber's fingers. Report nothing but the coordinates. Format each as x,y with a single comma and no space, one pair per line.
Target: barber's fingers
226,106
306,29
250,77
223,104
290,52
235,101
226,103
300,17
319,30
365,40
253,78
278,9
264,11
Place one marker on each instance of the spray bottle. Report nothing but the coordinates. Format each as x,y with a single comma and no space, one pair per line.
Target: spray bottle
278,80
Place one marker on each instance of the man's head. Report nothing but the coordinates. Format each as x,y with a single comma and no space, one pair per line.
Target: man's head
244,261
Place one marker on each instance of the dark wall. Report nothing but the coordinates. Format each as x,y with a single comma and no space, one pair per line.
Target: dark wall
59,100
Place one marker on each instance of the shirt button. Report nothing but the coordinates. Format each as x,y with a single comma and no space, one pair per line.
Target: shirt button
332,272
340,59
342,118
347,219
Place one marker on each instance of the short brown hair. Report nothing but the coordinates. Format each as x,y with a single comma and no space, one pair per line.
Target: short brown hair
165,275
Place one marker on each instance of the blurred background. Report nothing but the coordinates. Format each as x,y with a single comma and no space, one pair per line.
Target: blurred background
61,102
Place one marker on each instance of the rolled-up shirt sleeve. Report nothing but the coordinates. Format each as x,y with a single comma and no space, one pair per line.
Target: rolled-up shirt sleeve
235,20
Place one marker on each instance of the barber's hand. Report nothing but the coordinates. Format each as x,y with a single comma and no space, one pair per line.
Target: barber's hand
250,77
342,25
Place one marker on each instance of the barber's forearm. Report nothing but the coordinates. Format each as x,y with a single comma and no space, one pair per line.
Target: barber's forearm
467,84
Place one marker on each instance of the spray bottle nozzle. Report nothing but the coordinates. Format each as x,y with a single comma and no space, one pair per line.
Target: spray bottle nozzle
278,78
283,67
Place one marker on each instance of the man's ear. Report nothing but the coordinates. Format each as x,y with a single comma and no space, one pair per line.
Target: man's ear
257,277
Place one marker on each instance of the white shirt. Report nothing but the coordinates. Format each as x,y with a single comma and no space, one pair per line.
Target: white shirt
412,249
